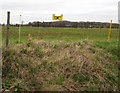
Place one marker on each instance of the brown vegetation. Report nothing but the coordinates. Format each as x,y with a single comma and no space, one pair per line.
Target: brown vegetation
58,66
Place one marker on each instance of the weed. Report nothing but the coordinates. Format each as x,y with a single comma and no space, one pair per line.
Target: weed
18,88
17,42
6,84
33,70
82,42
111,78
55,46
24,50
92,50
51,67
59,80
23,64
48,65
8,57
39,52
101,53
108,66
9,53
28,44
66,45
18,83
96,80
79,43
10,75
44,63
113,58
92,88
80,78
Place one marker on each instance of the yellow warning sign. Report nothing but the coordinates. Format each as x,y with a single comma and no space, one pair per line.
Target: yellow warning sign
57,17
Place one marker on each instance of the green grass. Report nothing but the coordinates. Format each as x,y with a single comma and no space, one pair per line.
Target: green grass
39,52
68,34
80,78
91,88
97,35
59,80
110,46
111,78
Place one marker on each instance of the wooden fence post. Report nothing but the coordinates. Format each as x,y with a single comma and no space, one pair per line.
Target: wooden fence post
8,27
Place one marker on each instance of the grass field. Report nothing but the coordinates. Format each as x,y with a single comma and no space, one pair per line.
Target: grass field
96,35
69,34
60,59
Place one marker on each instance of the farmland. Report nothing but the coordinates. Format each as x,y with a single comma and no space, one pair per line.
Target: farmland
69,34
60,59
95,35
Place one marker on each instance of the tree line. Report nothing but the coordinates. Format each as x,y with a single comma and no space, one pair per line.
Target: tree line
70,24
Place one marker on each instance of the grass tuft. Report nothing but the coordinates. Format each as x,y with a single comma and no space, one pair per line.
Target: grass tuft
39,52
59,80
80,78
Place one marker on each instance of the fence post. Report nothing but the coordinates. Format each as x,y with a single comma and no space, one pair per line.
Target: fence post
119,46
109,32
19,29
8,27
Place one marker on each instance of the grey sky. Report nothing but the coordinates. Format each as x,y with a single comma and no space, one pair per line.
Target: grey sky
73,10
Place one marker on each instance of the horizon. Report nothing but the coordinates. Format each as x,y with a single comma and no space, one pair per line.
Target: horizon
59,21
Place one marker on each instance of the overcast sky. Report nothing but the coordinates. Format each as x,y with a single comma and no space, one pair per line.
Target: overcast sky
73,10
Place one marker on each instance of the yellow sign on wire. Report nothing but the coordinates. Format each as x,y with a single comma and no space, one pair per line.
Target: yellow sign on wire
109,32
57,17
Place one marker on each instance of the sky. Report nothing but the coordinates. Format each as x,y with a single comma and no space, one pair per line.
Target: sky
72,10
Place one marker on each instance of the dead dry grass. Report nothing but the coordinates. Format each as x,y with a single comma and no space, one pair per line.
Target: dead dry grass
58,66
